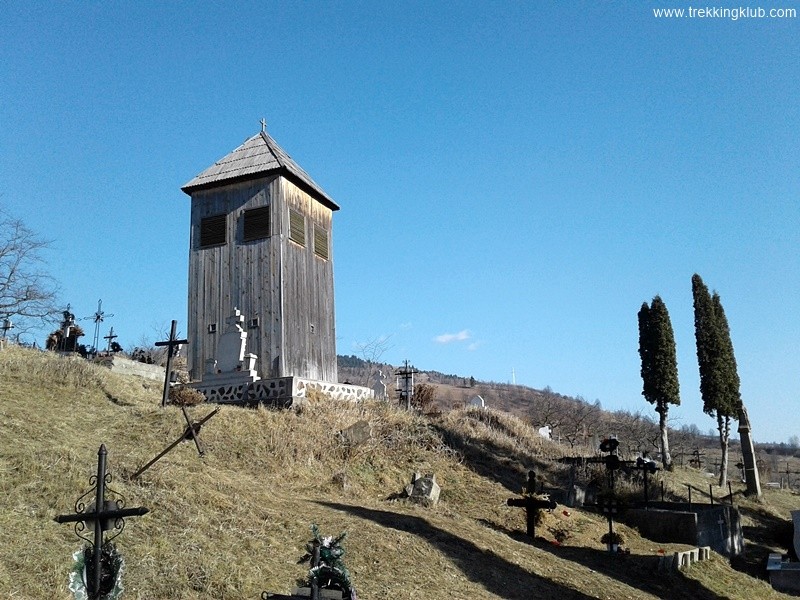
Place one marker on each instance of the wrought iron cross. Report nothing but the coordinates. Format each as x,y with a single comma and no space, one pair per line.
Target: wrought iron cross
192,432
173,344
97,318
531,504
107,515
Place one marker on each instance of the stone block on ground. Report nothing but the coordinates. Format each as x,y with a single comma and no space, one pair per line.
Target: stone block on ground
423,490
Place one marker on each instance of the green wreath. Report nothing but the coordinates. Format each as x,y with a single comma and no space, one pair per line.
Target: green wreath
111,569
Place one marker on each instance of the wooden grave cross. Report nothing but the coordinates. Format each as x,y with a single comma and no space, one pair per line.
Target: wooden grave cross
192,432
173,345
531,504
107,514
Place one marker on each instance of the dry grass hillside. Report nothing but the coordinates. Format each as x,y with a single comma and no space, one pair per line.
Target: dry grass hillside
233,524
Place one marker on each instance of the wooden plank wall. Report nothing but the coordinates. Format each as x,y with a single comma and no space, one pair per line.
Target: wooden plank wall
309,321
234,275
288,301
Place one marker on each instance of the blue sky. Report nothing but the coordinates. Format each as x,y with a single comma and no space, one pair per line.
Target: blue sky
515,178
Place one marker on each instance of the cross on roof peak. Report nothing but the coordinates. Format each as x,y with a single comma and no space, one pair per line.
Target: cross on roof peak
263,125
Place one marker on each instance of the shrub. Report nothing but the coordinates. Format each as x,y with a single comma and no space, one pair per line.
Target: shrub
185,396
612,538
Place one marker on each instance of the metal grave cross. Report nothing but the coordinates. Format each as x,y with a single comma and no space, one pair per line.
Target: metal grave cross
531,504
107,515
110,337
97,317
696,460
192,432
173,345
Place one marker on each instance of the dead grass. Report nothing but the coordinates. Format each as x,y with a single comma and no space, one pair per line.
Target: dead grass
234,524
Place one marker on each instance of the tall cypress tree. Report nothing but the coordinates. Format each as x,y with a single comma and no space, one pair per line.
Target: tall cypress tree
719,379
659,366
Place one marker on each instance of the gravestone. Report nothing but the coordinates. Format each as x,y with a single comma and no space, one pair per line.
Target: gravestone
423,490
355,435
379,389
477,402
229,375
231,345
796,522
784,574
750,469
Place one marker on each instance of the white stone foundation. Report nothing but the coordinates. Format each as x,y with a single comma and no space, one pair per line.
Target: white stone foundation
280,391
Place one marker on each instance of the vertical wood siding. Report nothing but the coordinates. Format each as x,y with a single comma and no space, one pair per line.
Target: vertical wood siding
309,302
285,286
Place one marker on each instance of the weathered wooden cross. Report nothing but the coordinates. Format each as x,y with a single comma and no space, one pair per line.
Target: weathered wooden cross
531,504
192,432
107,514
173,345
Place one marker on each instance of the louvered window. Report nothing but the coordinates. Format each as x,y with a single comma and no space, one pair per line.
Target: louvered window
212,231
320,242
256,224
297,227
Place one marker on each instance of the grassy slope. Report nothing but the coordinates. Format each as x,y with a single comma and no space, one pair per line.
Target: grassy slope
233,524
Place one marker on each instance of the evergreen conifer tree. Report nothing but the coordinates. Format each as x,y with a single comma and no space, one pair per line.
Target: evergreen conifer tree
660,384
719,379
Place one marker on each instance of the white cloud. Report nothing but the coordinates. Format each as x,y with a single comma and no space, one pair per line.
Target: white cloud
448,338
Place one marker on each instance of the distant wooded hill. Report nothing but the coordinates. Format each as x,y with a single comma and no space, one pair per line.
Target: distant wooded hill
574,421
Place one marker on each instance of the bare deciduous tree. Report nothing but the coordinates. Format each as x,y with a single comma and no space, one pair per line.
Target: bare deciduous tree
27,291
579,423
372,352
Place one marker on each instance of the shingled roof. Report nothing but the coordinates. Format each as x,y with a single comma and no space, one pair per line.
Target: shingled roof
259,156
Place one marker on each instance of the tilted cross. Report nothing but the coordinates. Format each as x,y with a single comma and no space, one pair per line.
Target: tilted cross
192,432
263,125
531,504
107,514
172,346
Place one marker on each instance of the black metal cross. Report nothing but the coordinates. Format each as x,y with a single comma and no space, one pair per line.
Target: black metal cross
696,461
173,344
531,504
110,337
107,514
192,432
647,467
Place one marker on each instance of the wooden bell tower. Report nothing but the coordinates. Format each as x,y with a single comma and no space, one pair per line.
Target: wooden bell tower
261,242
